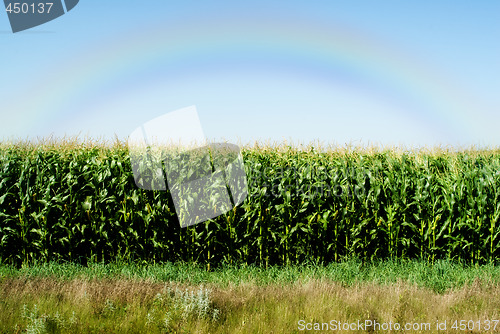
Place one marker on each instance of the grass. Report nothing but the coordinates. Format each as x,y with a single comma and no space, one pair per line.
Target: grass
185,298
438,277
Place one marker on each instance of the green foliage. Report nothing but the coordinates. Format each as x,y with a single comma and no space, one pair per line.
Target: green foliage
37,323
441,276
181,305
76,203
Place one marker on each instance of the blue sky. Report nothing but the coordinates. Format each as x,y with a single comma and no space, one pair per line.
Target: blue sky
386,72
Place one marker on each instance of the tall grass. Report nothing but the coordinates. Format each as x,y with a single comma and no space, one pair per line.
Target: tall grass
184,298
78,202
440,277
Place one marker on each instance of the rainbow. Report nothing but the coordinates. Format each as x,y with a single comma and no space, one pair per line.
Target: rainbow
308,48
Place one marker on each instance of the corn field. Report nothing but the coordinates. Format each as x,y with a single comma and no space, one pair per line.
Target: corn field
79,203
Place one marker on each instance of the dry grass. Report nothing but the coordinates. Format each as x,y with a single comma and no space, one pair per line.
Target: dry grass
123,306
280,308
